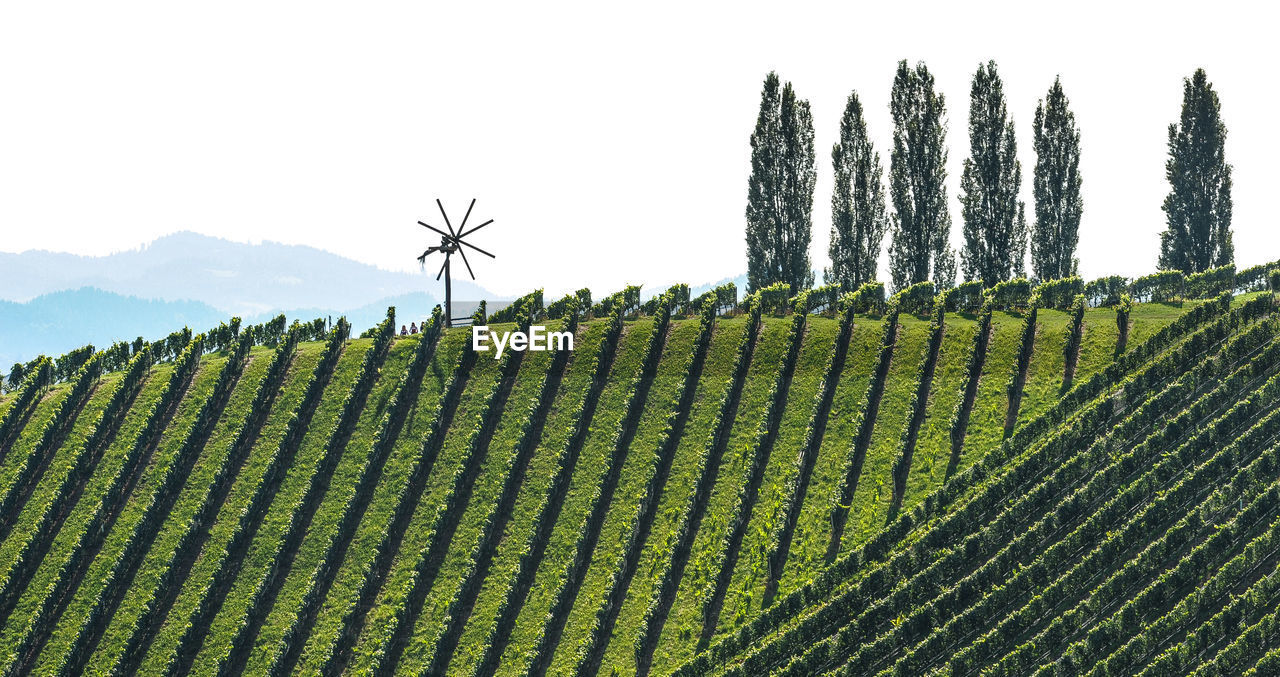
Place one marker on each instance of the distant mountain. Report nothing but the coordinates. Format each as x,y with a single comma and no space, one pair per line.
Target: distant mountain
740,281
236,278
55,323
52,302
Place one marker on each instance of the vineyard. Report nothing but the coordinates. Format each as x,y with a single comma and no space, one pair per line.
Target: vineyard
1033,480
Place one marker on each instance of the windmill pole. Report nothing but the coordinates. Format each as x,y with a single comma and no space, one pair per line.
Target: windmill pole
448,294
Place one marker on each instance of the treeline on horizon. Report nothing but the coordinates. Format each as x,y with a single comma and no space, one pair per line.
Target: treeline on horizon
997,231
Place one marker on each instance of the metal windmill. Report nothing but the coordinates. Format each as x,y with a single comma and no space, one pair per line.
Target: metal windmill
450,243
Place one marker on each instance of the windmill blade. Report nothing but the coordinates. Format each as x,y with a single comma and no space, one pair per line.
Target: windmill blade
427,225
464,260
463,225
442,267
461,235
446,219
477,249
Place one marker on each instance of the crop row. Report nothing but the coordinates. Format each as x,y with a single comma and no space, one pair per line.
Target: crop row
688,461
1169,548
932,450
960,549
867,414
748,488
20,408
1247,644
682,634
606,613
231,657
873,497
21,481
540,531
1113,545
336,495
145,591
637,467
393,419
58,593
82,593
26,432
484,489
456,558
993,536
575,571
869,602
807,552
509,545
174,569
355,592
40,565
984,484
1206,595
707,467
157,509
1054,634
798,484
919,405
1071,351
749,585
191,630
37,539
15,550
496,519
1118,651
1018,376
337,490
1123,583
445,520
1043,384
1035,555
472,455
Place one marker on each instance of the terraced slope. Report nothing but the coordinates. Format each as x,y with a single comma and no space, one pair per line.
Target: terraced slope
741,494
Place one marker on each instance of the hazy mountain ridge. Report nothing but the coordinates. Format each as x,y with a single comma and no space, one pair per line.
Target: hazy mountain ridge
51,302
234,277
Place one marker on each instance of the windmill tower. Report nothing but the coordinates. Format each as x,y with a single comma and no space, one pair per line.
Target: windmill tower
451,243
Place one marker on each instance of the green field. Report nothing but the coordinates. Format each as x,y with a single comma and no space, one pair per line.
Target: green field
401,505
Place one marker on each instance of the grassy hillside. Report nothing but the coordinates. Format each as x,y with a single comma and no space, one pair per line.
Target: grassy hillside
735,495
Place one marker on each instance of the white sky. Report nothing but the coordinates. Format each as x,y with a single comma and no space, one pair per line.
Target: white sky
610,145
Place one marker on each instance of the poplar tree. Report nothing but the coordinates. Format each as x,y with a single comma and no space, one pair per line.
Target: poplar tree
1198,207
858,219
995,228
780,190
1057,188
919,249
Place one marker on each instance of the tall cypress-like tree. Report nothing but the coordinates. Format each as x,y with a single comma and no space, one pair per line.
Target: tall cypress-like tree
1198,208
921,225
1057,188
995,228
858,219
780,190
